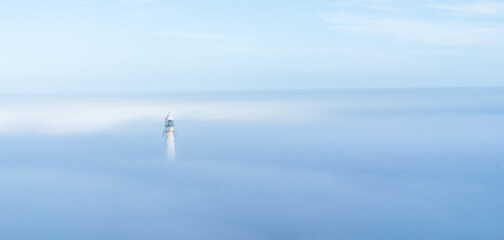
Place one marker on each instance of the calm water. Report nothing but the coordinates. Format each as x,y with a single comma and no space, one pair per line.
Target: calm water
357,164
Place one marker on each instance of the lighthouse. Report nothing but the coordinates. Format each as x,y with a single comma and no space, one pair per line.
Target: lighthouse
169,134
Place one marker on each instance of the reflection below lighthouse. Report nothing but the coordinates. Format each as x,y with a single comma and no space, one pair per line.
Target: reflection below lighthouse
169,134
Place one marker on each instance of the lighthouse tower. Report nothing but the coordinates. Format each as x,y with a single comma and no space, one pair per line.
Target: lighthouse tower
169,134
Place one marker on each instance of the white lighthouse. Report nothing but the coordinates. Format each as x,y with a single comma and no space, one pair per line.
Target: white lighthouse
169,134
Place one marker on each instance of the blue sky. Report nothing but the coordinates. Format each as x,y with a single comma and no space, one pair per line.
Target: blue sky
90,46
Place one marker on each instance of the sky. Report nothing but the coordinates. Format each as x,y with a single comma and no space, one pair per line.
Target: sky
145,46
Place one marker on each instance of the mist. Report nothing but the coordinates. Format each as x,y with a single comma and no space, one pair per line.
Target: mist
380,164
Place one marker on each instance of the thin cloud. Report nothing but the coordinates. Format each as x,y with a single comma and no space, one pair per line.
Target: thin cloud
443,33
200,36
137,1
479,8
94,116
77,2
380,7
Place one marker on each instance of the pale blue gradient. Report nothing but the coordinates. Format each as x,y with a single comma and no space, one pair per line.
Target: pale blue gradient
114,46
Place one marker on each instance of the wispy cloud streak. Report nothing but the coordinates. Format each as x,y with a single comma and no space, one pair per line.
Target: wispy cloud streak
92,116
478,8
77,2
190,35
421,31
